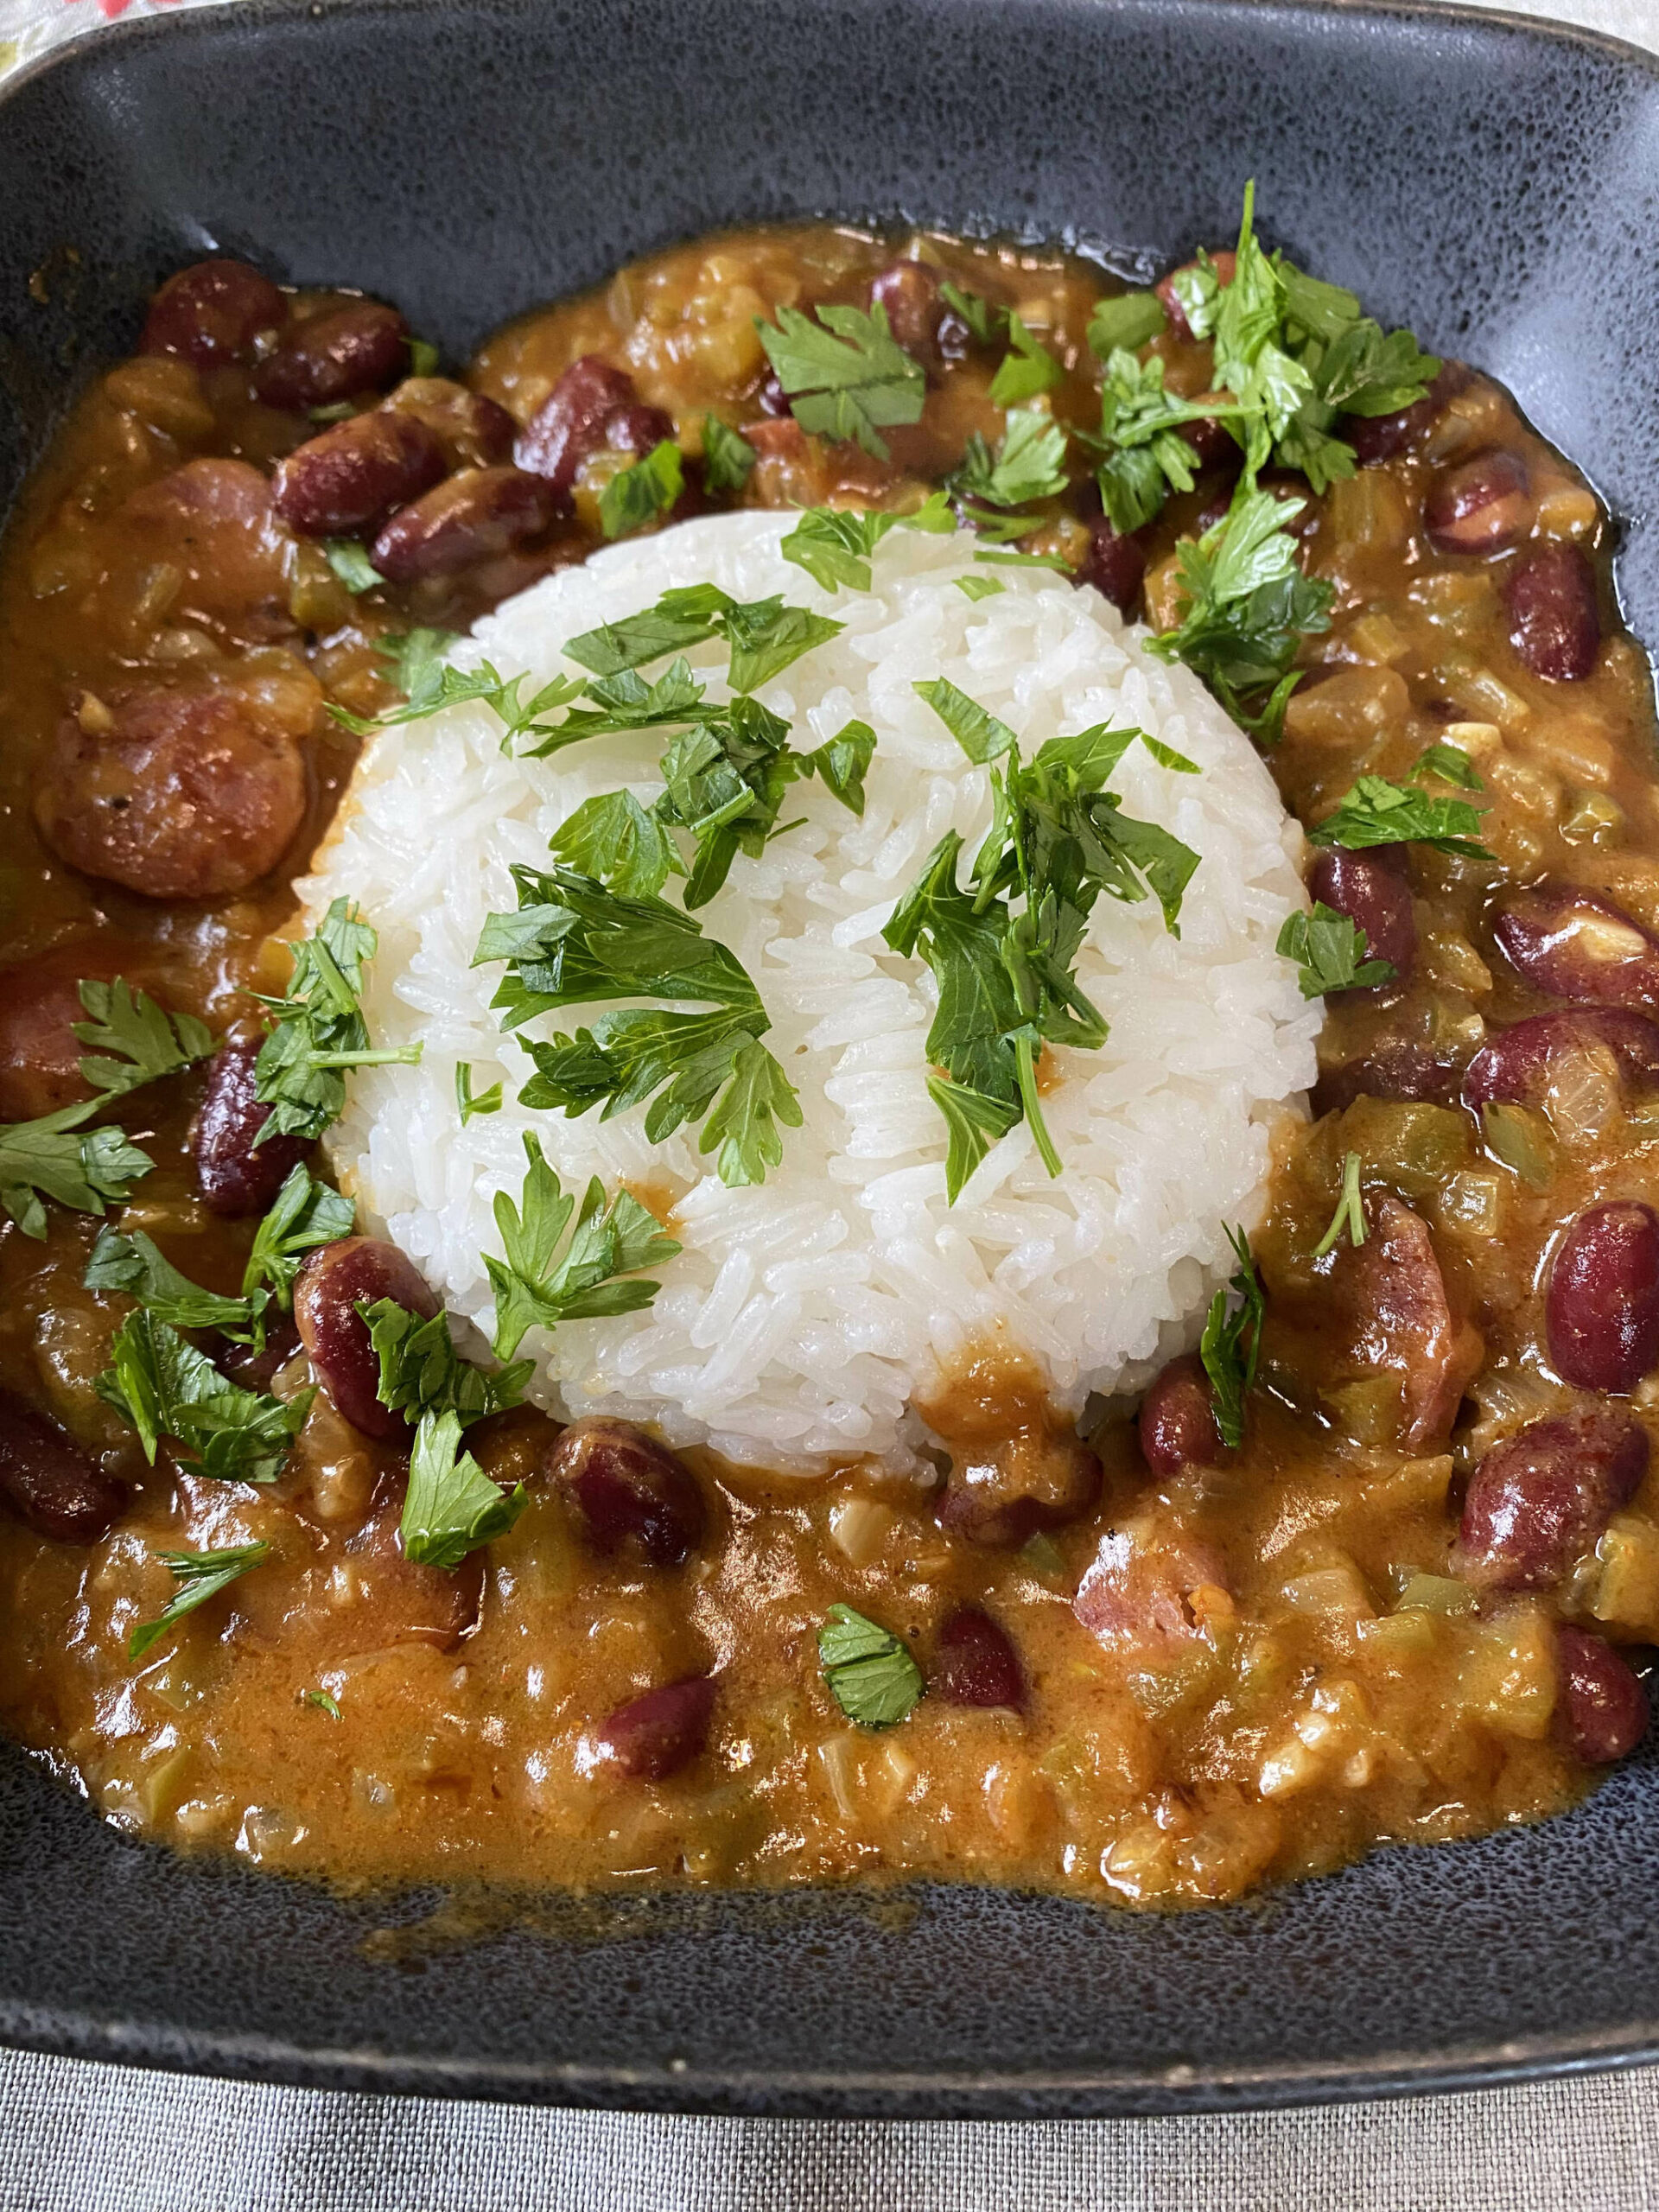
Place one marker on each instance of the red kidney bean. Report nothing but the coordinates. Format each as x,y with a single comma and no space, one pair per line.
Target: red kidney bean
474,431
1575,944
632,1493
1029,1483
1601,1711
191,795
1516,1064
977,1663
771,398
343,352
48,1481
331,1284
1374,896
1555,619
471,517
394,1601
1602,1307
654,1736
1177,1421
211,314
638,429
570,424
1541,1498
1380,437
257,1371
1395,1068
343,481
234,1177
1483,505
1226,262
909,290
1115,565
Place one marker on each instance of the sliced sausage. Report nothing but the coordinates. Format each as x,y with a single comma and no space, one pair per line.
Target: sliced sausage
1541,1498
213,521
1000,1495
39,1004
191,795
48,1481
1135,1595
1398,1317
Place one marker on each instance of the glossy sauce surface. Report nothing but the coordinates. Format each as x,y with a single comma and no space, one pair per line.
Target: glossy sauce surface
1197,1672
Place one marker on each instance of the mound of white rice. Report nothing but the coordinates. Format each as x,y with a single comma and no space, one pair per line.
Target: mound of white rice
803,1316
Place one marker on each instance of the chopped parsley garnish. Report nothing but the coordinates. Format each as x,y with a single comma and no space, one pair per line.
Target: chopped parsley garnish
1055,561
985,322
304,1214
424,674
643,493
835,545
1028,369
846,375
1230,1367
1028,464
487,1102
978,587
134,1265
163,1386
573,941
421,1371
1006,982
870,1672
1332,952
1351,1211
350,564
1451,765
537,1285
765,635
727,457
1377,812
1126,323
135,1042
422,358
323,1702
451,1506
1247,605
200,1576
1144,457
320,1030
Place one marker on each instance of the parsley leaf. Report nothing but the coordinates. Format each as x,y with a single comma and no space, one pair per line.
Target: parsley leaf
766,636
978,587
350,564
638,495
429,684
846,375
421,1371
304,1214
1029,463
134,1265
451,1506
1126,323
1007,981
870,1672
1232,1370
1247,605
573,941
1331,950
323,1702
320,1030
1144,457
1377,812
200,1576
1027,370
44,1159
618,841
1351,1211
163,1386
1451,765
536,1286
727,457
985,322
488,1101
835,545
134,1041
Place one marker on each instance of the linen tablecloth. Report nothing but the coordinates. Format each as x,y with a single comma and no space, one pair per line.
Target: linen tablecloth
76,2136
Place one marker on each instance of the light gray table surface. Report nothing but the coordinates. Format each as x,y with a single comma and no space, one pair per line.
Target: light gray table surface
76,2136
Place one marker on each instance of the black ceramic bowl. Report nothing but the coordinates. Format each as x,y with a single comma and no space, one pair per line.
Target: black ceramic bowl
1490,182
